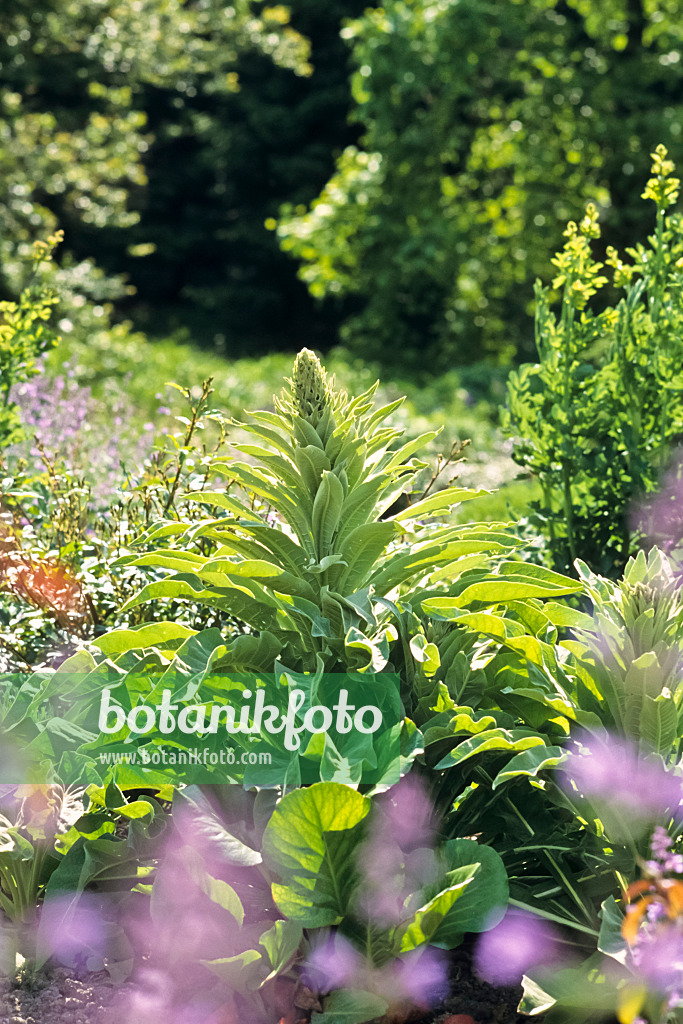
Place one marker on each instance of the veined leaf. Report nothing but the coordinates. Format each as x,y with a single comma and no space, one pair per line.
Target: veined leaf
351,1006
281,943
361,549
309,844
327,509
658,724
484,901
221,499
149,635
530,762
427,654
513,583
494,739
404,453
438,504
272,437
426,921
240,971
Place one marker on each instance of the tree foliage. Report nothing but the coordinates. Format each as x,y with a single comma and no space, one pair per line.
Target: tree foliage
595,420
221,163
485,127
75,133
162,135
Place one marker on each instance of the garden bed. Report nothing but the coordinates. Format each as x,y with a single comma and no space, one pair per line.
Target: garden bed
63,996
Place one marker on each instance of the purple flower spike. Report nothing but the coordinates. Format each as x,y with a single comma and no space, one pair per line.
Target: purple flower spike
664,861
519,943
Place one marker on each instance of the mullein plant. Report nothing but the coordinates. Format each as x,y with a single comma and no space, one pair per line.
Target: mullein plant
628,656
312,555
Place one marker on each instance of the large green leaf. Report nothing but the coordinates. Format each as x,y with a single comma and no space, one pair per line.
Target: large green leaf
309,845
351,1006
438,504
118,641
483,903
611,941
281,943
519,580
658,725
198,821
530,762
492,739
217,890
426,922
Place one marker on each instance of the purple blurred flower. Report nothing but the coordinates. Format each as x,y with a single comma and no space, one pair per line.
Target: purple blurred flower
656,911
664,860
75,428
658,957
420,978
150,997
72,928
627,790
332,964
519,943
397,860
409,814
660,517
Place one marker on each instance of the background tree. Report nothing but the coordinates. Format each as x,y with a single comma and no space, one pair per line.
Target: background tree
221,163
162,136
485,128
75,133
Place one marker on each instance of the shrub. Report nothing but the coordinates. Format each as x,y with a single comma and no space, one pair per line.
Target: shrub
596,418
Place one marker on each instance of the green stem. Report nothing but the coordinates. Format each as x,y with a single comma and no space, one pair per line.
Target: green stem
656,314
14,893
548,504
568,504
568,409
554,917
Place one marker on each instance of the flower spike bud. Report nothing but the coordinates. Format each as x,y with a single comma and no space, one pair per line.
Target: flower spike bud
309,386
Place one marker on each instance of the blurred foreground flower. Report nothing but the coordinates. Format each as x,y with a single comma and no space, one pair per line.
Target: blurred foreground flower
520,943
653,929
398,859
660,517
72,930
627,791
418,979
